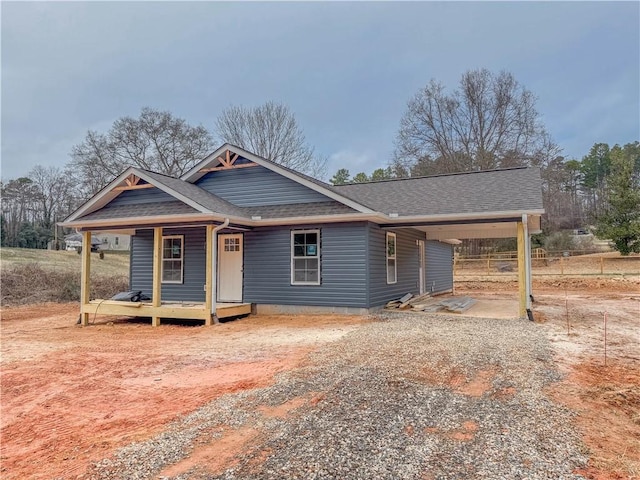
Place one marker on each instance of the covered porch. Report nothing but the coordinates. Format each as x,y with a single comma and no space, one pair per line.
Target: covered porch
208,311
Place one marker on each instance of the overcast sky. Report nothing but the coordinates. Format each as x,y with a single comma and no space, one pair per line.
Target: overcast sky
345,69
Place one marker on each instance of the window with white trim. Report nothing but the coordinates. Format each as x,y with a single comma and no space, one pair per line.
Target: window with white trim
172,258
392,267
305,257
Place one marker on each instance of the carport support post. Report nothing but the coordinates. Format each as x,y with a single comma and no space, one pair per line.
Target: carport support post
156,300
85,282
527,256
522,271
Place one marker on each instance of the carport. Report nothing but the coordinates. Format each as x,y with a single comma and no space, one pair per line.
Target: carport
490,226
505,203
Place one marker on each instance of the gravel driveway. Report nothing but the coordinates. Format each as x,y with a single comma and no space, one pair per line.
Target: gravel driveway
407,396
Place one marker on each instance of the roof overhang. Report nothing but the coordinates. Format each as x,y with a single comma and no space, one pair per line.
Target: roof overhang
203,219
465,226
436,227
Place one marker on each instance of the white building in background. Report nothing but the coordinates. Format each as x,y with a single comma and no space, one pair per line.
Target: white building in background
74,241
99,241
113,241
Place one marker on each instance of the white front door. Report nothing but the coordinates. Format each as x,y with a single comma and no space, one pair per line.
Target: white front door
421,266
230,268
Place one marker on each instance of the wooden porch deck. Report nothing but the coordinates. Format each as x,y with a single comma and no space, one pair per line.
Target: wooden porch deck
182,310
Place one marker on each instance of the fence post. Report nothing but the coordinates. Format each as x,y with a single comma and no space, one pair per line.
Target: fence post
601,265
561,265
488,264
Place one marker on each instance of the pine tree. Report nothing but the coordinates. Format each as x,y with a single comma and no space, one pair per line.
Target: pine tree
341,177
621,221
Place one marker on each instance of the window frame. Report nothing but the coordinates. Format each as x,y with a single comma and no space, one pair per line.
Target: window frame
294,258
393,257
162,260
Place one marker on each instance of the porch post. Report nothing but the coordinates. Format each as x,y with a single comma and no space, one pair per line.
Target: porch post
522,272
212,277
208,282
156,299
85,282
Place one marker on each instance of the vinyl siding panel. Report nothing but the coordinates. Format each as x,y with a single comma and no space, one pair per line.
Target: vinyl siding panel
141,266
267,268
439,268
255,186
407,264
145,195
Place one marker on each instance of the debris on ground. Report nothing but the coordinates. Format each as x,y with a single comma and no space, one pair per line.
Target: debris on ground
408,301
458,304
426,303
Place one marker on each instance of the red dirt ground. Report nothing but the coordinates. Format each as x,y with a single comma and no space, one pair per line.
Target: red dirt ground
605,398
72,396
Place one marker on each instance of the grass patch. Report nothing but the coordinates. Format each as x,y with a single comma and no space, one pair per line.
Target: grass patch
65,261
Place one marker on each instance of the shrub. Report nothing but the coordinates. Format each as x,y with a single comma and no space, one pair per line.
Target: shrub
30,283
559,241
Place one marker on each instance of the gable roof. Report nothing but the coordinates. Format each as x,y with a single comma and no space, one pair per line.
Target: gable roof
515,189
195,174
199,200
474,196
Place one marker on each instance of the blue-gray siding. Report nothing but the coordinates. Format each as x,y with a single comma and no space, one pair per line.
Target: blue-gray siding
192,288
267,267
439,267
407,264
353,266
255,186
144,195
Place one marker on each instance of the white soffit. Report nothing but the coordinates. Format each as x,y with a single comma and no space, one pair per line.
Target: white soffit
485,230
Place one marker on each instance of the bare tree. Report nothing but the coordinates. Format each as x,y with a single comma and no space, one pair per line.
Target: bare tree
53,188
155,141
271,131
489,122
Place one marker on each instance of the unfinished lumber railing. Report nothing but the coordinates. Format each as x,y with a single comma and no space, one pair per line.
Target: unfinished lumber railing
547,263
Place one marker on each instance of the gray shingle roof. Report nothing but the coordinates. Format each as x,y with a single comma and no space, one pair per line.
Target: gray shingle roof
515,189
300,210
197,194
140,210
475,192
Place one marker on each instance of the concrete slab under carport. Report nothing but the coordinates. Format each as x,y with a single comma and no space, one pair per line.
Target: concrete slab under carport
502,308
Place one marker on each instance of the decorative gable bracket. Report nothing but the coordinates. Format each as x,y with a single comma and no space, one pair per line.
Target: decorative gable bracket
228,162
132,182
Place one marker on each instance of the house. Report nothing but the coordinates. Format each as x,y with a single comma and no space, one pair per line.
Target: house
238,232
73,242
113,241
